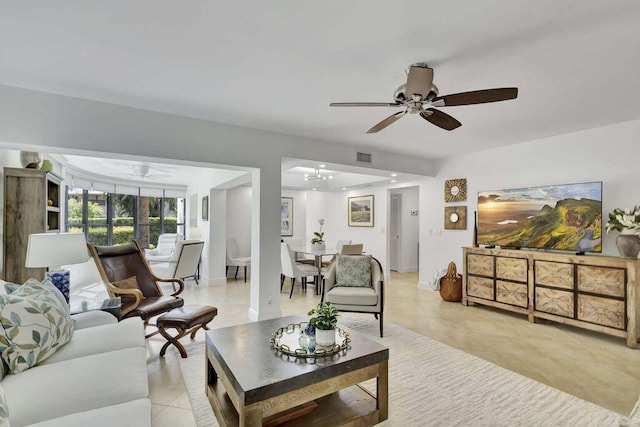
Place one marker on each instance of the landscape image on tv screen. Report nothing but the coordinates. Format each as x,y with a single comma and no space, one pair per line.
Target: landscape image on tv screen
563,217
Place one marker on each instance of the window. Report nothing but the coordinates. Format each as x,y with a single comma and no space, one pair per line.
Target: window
109,219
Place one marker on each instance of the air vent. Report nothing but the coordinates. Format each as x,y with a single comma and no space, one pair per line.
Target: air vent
364,157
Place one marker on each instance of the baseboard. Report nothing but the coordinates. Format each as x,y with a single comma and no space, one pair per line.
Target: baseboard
254,316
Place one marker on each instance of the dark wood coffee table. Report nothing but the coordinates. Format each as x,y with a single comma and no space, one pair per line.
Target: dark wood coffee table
249,382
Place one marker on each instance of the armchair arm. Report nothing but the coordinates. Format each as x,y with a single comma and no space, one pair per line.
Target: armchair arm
178,281
116,291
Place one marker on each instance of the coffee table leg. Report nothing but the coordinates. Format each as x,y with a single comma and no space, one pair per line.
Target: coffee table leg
251,415
383,390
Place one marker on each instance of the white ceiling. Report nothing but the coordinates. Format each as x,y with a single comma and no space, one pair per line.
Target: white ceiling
278,65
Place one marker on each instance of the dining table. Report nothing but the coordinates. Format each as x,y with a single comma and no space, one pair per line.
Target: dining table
318,254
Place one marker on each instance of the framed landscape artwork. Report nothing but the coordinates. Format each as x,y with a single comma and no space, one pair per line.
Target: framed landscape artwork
360,211
286,216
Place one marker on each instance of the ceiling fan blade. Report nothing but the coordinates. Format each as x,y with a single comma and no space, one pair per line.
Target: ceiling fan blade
386,122
419,81
476,97
440,119
364,104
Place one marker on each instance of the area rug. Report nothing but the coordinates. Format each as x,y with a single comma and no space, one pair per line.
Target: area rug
432,384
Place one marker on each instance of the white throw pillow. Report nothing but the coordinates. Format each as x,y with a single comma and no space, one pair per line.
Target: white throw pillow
34,325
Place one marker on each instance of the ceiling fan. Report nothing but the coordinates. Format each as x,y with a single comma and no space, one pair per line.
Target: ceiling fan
142,171
419,95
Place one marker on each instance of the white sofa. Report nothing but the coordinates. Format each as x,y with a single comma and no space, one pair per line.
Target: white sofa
99,378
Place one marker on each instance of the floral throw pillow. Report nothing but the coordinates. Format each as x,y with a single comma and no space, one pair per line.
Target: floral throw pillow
35,324
353,270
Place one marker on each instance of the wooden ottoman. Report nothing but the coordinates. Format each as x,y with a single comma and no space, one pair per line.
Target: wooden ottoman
187,319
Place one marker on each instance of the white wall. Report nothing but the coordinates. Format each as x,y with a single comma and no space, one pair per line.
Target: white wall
333,208
239,218
299,213
409,229
609,154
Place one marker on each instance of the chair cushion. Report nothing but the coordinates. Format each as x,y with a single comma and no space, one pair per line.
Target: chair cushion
101,339
135,413
77,385
352,296
152,306
353,270
187,316
35,324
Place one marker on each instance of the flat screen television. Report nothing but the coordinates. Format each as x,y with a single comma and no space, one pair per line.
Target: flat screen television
564,217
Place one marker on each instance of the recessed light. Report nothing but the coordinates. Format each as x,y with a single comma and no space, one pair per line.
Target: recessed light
394,174
344,188
322,166
330,176
313,189
393,180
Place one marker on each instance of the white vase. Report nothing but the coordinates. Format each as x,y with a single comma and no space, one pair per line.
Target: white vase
325,338
318,246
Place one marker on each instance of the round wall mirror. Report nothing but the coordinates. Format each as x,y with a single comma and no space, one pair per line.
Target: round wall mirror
454,217
454,190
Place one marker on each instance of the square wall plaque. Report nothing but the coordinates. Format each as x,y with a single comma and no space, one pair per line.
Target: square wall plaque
455,217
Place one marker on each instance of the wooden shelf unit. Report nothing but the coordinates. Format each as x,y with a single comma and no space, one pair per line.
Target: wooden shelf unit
26,211
599,293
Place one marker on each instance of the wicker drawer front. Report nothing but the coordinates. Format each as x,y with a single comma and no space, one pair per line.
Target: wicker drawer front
554,274
601,280
554,302
603,311
511,293
511,269
480,287
480,264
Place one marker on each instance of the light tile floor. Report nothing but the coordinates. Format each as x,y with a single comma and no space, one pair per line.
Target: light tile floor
593,366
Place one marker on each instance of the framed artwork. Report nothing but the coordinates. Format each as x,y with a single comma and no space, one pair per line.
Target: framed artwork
286,216
360,211
455,217
455,190
205,208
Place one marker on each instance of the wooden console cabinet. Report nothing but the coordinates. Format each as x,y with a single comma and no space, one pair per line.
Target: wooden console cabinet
599,293
27,211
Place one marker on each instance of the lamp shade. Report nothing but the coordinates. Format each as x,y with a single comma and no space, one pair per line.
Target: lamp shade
56,249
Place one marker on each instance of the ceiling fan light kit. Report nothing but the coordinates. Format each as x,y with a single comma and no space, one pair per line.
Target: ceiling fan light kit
419,95
317,176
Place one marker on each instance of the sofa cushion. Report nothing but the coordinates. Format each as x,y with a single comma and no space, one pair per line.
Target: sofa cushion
34,325
353,270
4,409
77,385
101,339
136,413
89,319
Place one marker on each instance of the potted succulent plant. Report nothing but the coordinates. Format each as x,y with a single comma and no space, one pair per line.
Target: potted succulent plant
325,320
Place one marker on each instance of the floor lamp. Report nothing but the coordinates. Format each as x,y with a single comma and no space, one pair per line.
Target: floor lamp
52,251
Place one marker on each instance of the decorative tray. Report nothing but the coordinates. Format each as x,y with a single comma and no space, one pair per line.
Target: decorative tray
286,341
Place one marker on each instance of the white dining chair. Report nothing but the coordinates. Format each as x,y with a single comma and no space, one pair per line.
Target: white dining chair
294,270
294,242
235,260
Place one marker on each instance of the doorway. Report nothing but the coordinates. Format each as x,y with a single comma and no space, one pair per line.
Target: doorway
402,239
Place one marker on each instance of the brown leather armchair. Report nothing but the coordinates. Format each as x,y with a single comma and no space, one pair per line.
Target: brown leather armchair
126,274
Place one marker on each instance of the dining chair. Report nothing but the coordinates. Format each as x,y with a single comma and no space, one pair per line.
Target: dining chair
294,242
185,262
351,249
339,246
294,270
234,259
